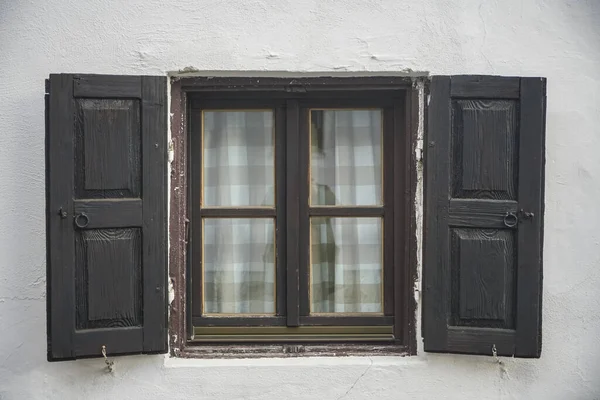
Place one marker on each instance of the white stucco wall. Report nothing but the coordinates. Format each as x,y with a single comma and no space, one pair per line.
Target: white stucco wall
558,39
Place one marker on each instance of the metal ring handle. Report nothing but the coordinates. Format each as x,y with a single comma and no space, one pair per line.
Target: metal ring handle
84,217
511,219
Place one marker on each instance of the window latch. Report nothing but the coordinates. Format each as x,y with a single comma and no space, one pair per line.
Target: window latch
62,213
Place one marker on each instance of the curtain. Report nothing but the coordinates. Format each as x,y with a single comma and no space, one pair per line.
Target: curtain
346,253
238,253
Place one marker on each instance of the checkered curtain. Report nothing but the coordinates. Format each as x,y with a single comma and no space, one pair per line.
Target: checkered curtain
239,261
346,253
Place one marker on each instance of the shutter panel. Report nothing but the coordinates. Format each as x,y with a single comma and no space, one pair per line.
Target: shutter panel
106,215
484,181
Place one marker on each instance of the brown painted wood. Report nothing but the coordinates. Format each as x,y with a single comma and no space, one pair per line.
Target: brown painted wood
295,85
180,231
408,308
109,249
222,212
295,193
343,211
346,320
281,209
482,276
239,321
226,92
195,211
388,211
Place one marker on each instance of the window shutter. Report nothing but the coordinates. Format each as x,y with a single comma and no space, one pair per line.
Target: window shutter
106,215
484,208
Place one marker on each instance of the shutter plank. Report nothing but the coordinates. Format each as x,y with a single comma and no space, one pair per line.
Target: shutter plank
435,268
154,101
531,198
59,236
107,258
485,160
111,214
108,86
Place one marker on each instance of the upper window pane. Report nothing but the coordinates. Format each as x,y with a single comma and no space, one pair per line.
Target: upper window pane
345,157
238,155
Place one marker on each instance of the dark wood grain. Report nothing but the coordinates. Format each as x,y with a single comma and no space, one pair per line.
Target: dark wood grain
483,274
107,148
113,269
110,213
108,278
127,340
484,86
531,199
484,164
490,272
154,189
481,341
435,260
60,242
108,86
480,213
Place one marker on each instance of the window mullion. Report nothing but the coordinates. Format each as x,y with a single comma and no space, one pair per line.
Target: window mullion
292,200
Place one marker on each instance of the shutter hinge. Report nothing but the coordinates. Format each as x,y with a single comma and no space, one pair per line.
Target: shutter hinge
47,86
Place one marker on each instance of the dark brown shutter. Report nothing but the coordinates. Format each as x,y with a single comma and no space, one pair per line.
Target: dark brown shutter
484,211
106,215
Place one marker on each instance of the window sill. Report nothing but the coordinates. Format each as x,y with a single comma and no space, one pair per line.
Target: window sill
300,350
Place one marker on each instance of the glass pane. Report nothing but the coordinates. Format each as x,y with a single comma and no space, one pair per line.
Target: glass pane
346,265
345,157
239,265
238,158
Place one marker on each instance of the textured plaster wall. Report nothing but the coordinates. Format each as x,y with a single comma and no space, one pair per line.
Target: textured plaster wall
559,39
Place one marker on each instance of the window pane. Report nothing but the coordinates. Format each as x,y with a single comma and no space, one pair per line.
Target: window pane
239,265
238,158
346,265
345,158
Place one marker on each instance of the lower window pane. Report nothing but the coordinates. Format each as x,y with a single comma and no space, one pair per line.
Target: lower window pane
238,266
346,265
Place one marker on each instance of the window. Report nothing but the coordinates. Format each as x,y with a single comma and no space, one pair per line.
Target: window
292,223
292,215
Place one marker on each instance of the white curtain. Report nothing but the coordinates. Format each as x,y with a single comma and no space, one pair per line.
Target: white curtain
239,253
346,253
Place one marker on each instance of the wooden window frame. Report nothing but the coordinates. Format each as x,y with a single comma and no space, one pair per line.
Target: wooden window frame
400,97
